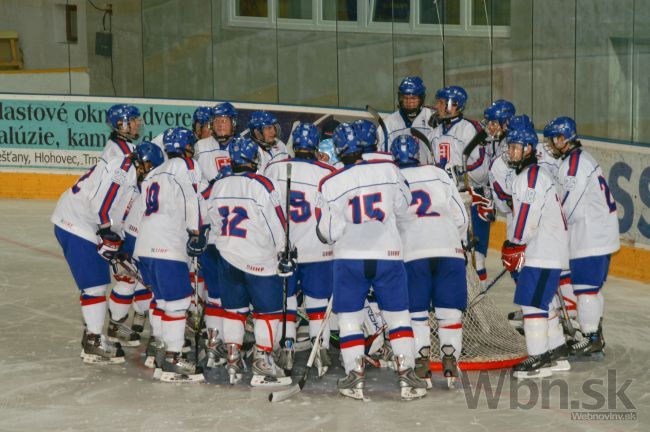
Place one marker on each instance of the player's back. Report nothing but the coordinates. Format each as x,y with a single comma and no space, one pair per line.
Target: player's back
170,206
248,222
116,147
305,177
211,157
436,221
364,200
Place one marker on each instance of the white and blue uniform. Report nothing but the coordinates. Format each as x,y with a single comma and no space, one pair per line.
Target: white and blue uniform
276,152
211,157
397,124
117,147
357,210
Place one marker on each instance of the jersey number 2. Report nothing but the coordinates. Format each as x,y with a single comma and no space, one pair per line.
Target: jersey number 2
608,197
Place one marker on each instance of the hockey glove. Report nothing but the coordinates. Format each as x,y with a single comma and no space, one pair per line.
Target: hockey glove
513,256
110,244
484,206
287,263
197,243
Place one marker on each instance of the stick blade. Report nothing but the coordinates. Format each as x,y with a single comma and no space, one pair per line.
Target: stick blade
282,395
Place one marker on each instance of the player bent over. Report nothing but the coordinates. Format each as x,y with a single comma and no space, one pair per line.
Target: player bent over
593,228
433,254
83,227
249,224
314,274
537,247
170,233
356,211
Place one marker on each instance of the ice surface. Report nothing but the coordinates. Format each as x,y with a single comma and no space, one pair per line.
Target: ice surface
44,386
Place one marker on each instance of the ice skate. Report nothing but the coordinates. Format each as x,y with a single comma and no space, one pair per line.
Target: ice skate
265,372
560,358
423,367
286,356
98,350
155,353
535,366
449,365
176,368
235,366
411,386
322,361
215,348
590,346
118,331
137,324
353,384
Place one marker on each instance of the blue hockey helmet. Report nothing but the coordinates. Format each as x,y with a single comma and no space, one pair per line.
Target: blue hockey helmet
520,122
327,146
150,152
564,126
412,85
225,109
243,151
405,150
366,133
258,121
453,94
500,111
202,115
524,134
345,140
121,112
305,137
180,140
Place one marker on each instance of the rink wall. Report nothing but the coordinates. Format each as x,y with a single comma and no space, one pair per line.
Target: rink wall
46,142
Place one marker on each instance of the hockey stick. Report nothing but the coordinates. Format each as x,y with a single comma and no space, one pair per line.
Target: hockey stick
197,317
469,148
419,135
565,312
130,271
287,251
282,395
384,130
480,296
294,125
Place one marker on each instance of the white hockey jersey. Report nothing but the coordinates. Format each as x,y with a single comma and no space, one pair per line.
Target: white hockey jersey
538,221
117,147
436,220
450,139
377,155
500,180
170,204
588,205
357,209
305,177
211,157
248,222
99,197
396,126
133,215
277,152
548,162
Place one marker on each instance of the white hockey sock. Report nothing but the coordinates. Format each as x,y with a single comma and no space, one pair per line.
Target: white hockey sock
93,308
450,328
155,318
566,288
421,329
400,334
374,327
351,338
590,311
555,332
119,302
536,330
234,325
316,309
266,331
214,316
292,306
141,299
334,322
173,324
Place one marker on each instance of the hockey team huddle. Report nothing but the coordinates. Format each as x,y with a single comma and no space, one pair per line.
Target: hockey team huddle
225,233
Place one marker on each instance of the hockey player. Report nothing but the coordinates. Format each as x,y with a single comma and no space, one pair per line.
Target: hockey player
593,228
211,153
249,222
436,270
366,133
314,273
126,125
202,122
83,225
536,247
453,133
265,132
171,232
326,153
412,113
356,211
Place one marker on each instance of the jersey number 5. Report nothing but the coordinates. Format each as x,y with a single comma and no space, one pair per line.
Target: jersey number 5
302,211
231,220
368,203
